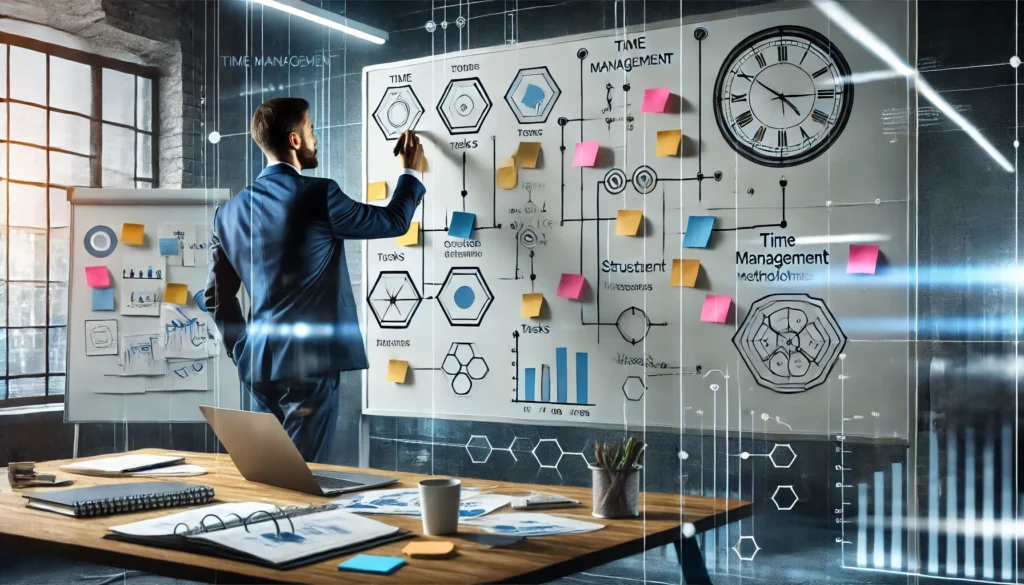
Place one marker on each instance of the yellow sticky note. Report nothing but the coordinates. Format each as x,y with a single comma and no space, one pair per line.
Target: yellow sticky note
133,234
668,142
377,191
684,272
527,155
397,370
411,237
507,175
176,293
532,303
628,222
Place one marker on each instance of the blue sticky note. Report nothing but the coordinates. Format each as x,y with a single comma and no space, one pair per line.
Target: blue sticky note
533,96
698,231
372,564
168,246
462,224
102,299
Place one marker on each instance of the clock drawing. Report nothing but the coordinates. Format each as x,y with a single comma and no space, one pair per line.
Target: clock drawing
783,96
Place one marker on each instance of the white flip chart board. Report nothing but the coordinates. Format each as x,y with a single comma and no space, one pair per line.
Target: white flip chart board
132,355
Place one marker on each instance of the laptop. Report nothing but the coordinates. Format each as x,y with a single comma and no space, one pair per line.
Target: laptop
264,453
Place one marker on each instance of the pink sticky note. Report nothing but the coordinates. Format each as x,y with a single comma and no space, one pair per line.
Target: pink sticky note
716,308
97,277
586,154
863,259
571,286
655,100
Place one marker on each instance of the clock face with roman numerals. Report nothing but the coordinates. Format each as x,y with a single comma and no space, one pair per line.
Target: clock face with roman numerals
783,96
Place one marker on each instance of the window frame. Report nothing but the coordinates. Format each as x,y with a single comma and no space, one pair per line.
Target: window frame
96,63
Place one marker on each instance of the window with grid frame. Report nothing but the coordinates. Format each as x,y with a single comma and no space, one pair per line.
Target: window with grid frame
67,118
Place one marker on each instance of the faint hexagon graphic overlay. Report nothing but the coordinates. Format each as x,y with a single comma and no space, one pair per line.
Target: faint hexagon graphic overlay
782,456
633,325
522,444
746,548
790,342
399,110
465,297
548,453
479,448
532,95
784,497
464,364
633,388
464,106
394,299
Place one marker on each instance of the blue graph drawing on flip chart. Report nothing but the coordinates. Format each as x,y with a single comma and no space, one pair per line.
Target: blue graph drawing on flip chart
526,386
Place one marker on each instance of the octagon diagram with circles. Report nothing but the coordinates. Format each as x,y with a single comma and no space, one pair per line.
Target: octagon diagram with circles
790,342
399,110
393,299
464,106
465,297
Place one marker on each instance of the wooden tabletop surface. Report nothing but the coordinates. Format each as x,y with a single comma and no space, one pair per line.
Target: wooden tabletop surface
533,560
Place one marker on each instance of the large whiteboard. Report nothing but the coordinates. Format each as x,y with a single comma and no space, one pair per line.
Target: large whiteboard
628,353
92,394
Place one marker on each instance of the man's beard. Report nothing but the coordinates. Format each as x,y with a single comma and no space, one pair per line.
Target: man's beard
307,157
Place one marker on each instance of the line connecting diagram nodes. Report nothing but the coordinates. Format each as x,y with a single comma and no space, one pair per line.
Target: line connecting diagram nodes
464,106
394,299
399,110
790,342
532,95
633,325
465,297
464,365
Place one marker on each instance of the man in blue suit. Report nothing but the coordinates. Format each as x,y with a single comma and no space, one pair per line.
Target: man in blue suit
283,238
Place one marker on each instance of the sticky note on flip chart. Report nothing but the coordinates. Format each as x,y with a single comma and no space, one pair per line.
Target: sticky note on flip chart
527,155
377,191
133,234
97,277
698,231
397,371
507,175
655,100
411,237
176,293
684,272
863,259
532,304
628,222
168,246
716,309
462,224
372,564
668,142
586,154
571,286
102,299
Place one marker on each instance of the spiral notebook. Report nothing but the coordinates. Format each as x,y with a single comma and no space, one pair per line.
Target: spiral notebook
120,498
261,533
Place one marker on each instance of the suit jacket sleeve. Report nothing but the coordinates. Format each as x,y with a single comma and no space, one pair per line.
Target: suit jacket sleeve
353,220
221,295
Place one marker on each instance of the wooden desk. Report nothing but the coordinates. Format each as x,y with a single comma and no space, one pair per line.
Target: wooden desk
531,561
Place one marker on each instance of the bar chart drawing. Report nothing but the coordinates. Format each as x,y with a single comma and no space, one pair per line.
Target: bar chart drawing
535,384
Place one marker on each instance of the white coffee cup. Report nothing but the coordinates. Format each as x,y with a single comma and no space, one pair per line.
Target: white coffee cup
439,505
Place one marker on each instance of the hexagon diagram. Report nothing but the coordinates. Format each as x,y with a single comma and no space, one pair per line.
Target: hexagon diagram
633,388
399,110
394,299
790,342
464,365
465,297
464,106
532,95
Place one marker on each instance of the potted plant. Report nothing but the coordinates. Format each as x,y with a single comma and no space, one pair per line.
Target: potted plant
616,478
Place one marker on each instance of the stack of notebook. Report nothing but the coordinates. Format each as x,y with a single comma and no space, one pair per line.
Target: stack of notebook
135,465
120,498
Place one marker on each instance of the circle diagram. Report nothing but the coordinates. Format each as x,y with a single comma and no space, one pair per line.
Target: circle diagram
394,299
532,95
100,241
464,365
465,297
464,106
633,325
790,342
644,179
615,181
399,110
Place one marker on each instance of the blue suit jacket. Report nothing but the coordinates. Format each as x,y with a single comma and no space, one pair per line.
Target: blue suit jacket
283,238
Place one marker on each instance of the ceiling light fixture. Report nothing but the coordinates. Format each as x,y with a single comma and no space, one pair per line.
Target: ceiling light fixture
328,19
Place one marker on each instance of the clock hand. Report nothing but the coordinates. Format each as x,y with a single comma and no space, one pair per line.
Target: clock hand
786,101
768,88
796,95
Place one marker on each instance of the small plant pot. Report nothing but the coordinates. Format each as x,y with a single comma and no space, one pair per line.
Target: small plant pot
616,492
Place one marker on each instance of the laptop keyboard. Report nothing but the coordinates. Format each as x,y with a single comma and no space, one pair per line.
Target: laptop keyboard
333,483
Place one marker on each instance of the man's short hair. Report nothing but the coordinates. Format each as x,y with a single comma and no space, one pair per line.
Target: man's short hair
275,120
